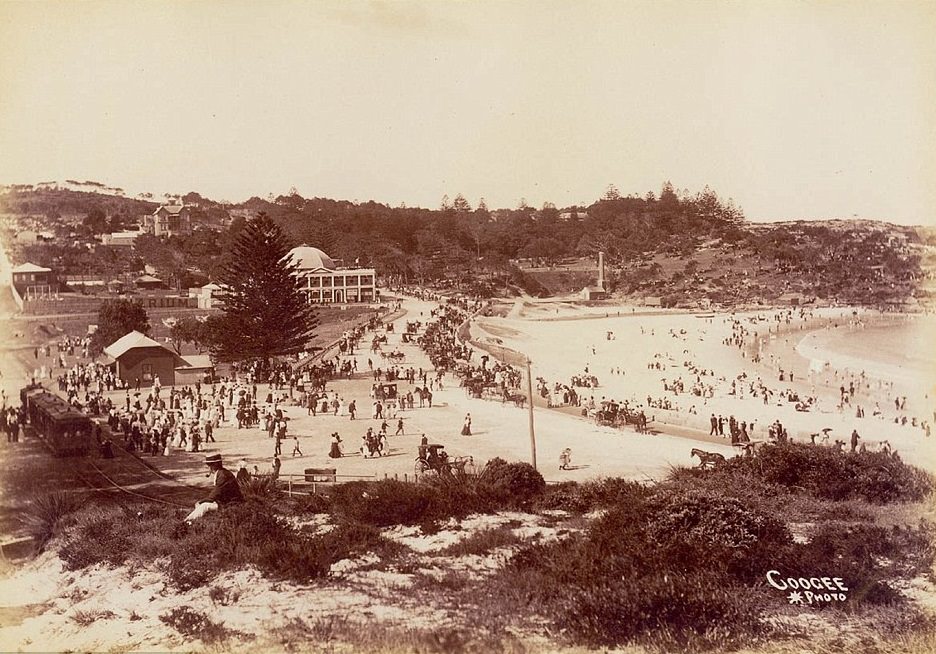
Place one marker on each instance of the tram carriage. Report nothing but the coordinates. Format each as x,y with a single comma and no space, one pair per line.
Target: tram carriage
65,429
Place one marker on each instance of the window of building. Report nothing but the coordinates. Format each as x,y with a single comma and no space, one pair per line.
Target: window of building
147,372
367,280
351,280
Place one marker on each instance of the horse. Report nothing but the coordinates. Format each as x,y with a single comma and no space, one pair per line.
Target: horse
707,459
518,399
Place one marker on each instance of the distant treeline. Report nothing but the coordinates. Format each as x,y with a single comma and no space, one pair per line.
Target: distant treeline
856,261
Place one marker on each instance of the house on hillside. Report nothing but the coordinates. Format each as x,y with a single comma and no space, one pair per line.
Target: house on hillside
206,296
168,220
149,282
138,358
324,282
32,281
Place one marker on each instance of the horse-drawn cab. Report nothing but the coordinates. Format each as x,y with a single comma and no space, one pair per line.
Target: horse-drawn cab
385,392
475,386
607,415
434,457
411,333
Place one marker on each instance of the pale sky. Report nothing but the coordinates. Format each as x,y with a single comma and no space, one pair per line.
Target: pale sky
794,109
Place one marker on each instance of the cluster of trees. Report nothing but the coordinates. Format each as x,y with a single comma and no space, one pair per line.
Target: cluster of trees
117,318
69,259
430,243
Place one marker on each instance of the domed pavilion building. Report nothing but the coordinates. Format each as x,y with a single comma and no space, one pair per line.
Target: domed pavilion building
324,282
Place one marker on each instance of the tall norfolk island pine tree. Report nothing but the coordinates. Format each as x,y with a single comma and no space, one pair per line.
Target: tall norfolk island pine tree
265,313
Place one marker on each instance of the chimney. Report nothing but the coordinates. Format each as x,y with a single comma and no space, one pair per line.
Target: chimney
601,279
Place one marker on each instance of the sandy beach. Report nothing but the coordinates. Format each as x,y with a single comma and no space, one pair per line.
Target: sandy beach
677,341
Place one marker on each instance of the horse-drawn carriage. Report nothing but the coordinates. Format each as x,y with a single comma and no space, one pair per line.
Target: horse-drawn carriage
480,388
611,414
474,386
434,457
385,392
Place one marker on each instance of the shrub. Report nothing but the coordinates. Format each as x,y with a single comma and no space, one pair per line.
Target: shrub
481,542
512,483
674,611
245,533
827,473
44,513
312,503
581,497
664,568
87,618
708,519
195,624
863,555
383,503
261,486
249,533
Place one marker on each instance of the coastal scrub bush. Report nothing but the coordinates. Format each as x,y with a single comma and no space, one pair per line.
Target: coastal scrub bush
390,502
708,519
261,486
385,502
243,534
581,497
240,534
513,484
629,580
786,503
195,624
865,556
824,472
674,612
481,542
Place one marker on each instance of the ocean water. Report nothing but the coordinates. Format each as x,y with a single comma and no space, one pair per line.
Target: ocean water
904,352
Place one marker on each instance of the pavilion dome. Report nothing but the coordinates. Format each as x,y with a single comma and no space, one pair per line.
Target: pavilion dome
310,258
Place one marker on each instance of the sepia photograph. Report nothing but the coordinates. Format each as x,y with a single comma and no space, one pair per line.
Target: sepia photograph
468,326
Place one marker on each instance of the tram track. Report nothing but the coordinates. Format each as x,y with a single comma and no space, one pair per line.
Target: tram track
130,477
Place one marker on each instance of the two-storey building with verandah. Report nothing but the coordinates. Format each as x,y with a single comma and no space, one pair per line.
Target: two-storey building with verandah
326,283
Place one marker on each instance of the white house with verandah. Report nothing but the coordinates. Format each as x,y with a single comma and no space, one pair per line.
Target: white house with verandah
168,220
326,283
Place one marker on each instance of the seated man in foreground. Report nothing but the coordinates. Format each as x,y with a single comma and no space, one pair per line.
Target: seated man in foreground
226,489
